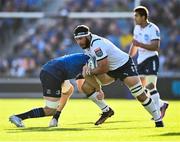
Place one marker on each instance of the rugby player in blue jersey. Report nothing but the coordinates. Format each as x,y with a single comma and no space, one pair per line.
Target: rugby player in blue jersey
57,89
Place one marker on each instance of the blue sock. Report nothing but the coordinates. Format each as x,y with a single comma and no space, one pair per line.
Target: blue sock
34,113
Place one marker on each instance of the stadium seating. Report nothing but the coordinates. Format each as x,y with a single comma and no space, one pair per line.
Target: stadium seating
53,37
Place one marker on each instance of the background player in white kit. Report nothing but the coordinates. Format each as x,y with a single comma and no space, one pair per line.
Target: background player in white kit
147,42
116,64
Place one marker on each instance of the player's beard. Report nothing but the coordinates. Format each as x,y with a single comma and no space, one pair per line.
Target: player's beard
86,45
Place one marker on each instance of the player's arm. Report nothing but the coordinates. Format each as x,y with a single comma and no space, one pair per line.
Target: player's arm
102,67
153,46
67,91
133,50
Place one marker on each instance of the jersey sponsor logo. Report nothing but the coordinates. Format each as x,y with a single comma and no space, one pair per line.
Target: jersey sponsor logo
157,33
98,52
146,37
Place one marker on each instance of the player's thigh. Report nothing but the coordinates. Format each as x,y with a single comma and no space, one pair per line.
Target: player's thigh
87,88
105,79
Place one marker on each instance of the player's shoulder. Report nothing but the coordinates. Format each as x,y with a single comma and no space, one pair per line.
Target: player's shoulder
96,41
153,26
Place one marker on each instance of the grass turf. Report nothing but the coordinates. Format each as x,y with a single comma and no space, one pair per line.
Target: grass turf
130,122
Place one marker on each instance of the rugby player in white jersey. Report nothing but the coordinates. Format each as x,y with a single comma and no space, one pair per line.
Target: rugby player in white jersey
117,64
147,42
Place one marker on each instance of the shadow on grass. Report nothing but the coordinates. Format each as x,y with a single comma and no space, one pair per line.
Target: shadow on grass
170,134
108,122
90,127
47,129
81,123
42,129
118,128
122,121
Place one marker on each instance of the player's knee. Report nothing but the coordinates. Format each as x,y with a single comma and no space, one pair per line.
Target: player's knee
49,111
137,90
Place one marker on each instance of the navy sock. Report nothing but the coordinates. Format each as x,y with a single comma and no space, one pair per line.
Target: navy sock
34,113
56,115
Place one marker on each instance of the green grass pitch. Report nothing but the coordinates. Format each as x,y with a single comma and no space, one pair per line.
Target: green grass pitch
130,123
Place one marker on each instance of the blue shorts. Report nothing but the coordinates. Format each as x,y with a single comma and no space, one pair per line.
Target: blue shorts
149,66
127,70
50,85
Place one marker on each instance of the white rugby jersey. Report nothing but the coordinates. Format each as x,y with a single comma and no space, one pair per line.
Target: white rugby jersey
101,48
145,35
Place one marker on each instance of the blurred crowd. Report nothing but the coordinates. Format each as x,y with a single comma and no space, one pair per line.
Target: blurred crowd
99,5
21,5
52,38
9,26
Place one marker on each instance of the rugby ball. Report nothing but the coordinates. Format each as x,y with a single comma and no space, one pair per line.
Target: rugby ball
92,63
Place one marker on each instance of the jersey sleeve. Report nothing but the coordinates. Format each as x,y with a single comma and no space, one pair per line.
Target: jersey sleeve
155,33
99,51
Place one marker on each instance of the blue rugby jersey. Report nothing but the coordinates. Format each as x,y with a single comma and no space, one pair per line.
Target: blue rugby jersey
66,67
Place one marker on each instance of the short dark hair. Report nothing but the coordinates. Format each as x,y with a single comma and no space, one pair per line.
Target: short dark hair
142,11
